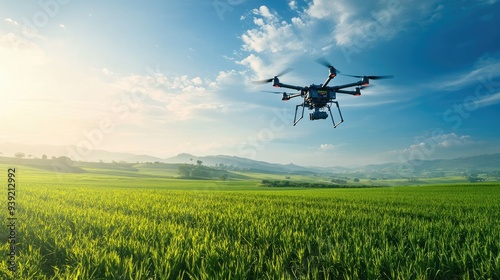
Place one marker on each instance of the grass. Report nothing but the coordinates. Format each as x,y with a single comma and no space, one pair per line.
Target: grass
108,225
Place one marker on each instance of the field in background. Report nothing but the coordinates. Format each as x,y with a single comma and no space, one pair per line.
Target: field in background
142,223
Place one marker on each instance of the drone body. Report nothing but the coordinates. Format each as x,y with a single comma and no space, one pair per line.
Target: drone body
320,98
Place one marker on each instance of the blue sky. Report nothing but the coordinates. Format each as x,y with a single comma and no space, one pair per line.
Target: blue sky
167,77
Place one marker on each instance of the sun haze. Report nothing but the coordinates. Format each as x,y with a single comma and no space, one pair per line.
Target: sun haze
169,77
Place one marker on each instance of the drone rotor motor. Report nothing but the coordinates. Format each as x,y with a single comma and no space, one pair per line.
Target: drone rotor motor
366,81
333,72
276,82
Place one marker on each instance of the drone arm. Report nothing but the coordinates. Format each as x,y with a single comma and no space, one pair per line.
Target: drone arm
278,84
327,81
293,96
351,92
356,84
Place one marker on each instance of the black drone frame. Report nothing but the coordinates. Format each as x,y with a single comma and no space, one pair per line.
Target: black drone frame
321,96
306,104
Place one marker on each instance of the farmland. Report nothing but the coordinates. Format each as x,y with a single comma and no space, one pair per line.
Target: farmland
105,224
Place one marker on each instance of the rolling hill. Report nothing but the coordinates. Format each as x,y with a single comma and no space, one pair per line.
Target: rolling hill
484,163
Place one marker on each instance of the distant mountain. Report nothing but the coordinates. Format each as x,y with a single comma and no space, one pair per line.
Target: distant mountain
8,149
488,162
37,151
100,155
233,162
471,164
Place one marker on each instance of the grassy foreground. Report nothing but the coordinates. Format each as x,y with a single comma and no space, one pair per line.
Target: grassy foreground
110,226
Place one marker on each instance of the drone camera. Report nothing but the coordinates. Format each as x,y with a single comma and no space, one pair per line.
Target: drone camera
318,116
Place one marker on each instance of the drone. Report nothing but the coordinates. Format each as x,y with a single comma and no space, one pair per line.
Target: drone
320,98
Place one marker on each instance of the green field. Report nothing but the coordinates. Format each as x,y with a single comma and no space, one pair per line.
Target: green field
145,224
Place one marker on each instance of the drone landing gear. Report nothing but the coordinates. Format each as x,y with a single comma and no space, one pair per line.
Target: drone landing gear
295,121
340,114
317,114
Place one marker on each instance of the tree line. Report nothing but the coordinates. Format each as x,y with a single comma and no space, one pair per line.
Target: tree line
287,183
200,171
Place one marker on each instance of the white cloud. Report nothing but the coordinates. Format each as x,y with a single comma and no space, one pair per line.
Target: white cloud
356,24
453,140
170,98
439,142
489,100
60,97
255,63
340,11
11,21
484,72
196,81
25,31
321,25
483,83
78,97
227,78
106,71
264,11
264,69
271,34
487,2
297,21
328,147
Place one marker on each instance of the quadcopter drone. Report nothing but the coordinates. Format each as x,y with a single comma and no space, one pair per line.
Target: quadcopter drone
321,97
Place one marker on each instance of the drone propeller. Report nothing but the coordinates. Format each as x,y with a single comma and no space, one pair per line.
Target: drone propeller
324,62
276,92
327,64
271,79
371,77
286,95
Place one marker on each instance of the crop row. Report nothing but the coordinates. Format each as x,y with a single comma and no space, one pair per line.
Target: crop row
386,233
